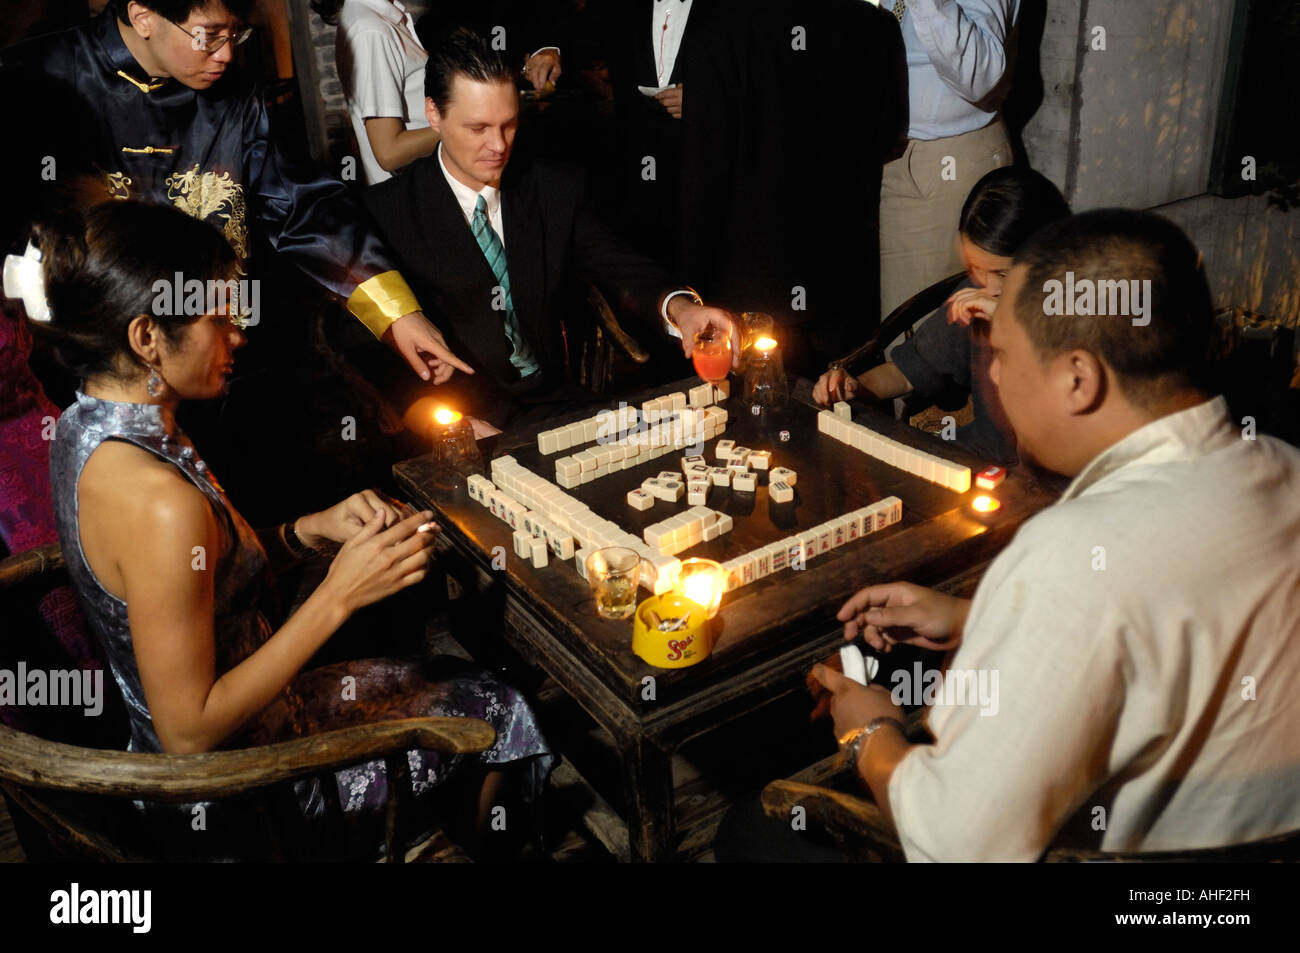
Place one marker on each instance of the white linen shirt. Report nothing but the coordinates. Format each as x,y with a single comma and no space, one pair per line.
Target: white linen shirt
1146,634
381,65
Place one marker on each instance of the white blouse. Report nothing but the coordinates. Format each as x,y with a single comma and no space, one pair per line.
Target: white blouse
381,65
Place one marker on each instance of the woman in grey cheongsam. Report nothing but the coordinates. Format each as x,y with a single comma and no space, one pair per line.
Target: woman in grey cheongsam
170,575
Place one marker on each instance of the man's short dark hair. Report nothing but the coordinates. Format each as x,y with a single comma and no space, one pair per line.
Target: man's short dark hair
461,51
1152,361
178,11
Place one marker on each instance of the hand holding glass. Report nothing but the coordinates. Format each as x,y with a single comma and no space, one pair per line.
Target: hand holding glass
712,354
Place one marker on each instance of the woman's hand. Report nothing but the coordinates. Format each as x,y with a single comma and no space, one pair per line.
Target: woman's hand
902,612
344,519
837,384
967,304
376,562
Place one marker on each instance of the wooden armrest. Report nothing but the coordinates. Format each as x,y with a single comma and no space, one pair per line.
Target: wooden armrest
36,763
854,825
29,564
613,328
901,320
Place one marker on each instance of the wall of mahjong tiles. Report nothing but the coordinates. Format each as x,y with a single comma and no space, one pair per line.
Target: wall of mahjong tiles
833,479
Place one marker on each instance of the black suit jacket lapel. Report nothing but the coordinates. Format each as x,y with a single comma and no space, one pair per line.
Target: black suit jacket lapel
526,258
462,273
643,45
698,12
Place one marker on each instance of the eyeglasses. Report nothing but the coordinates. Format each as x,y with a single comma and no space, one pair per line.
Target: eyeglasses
200,40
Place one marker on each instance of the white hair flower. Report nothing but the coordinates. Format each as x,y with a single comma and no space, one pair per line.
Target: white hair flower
25,278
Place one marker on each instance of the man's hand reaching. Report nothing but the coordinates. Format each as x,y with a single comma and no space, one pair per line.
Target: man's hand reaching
692,318
543,69
424,348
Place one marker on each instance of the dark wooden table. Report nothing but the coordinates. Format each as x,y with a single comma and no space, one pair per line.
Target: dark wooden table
768,632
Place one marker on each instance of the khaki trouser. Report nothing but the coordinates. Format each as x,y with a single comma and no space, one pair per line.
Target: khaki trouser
920,202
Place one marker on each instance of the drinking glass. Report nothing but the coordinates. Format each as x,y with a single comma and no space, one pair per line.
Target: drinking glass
712,354
613,573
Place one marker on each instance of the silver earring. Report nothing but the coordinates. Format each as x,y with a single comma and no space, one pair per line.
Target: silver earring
154,384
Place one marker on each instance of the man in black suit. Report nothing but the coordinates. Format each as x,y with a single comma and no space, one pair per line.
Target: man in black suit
658,45
489,249
768,154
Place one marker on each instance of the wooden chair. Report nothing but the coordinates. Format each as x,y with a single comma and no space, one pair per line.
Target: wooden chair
600,350
859,829
901,323
74,801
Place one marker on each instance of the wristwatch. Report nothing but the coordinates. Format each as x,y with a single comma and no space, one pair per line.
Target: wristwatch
853,742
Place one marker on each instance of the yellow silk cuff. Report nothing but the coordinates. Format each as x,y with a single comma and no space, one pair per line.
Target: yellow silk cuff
381,300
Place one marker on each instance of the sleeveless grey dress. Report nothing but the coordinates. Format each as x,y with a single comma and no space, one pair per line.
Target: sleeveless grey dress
317,700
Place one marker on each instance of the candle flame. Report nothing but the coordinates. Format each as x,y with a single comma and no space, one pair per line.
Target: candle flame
443,416
985,504
765,344
699,589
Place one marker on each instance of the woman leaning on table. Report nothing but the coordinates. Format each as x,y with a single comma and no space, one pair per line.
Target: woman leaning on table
171,576
1004,208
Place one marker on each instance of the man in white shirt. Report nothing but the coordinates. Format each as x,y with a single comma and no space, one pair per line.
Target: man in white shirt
1143,630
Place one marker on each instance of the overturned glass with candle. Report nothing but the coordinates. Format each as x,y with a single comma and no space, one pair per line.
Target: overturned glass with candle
766,389
702,581
455,449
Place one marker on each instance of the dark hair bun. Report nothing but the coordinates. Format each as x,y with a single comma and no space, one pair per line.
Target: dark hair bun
101,268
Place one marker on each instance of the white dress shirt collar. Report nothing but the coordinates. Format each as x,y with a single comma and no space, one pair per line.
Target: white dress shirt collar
1187,433
390,10
468,198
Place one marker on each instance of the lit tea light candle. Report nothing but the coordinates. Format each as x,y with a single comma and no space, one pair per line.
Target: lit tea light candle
765,344
699,589
445,417
985,504
702,581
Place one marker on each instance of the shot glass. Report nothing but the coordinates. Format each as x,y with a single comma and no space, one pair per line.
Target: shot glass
613,573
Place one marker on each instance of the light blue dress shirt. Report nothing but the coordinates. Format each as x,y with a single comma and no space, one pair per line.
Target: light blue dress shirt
956,58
